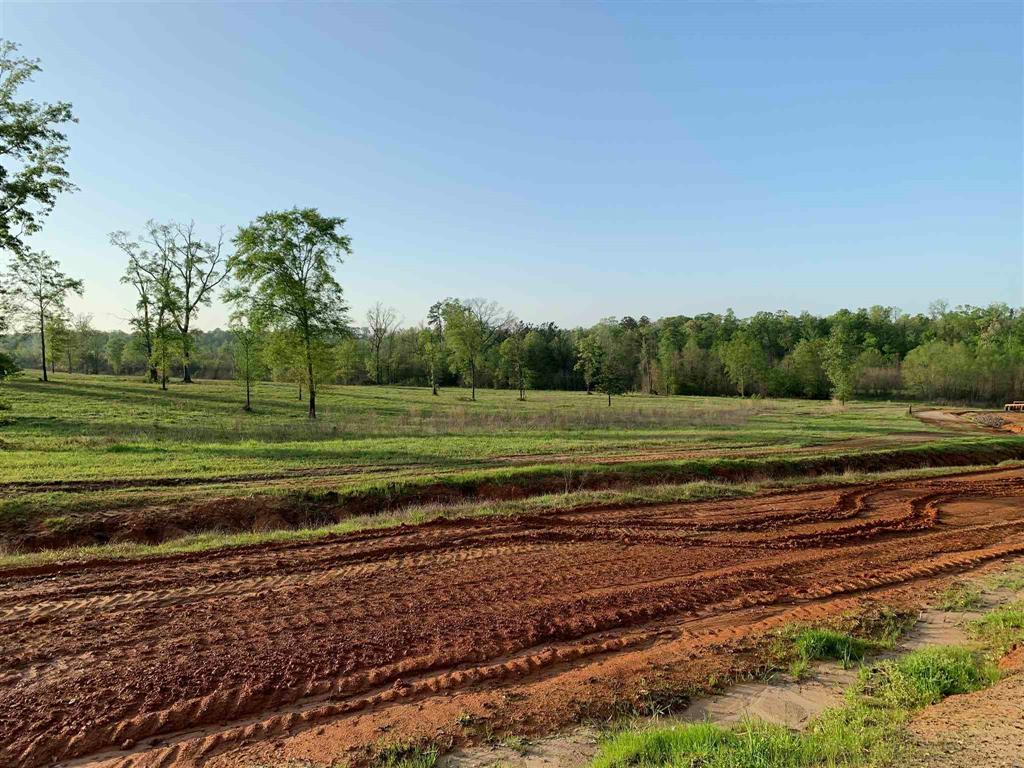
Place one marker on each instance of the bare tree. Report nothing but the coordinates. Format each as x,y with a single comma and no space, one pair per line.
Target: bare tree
381,322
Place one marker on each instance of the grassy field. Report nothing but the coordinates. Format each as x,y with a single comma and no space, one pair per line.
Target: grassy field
80,447
89,427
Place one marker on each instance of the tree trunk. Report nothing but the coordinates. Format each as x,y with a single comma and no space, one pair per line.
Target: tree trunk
248,400
42,340
186,370
472,379
609,398
154,374
311,384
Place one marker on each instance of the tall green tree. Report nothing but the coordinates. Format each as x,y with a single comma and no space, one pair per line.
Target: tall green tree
249,338
472,328
39,290
143,273
283,265
432,353
58,338
744,359
589,360
113,351
33,152
191,268
840,356
513,360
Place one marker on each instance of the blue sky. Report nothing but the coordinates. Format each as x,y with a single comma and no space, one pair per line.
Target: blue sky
569,160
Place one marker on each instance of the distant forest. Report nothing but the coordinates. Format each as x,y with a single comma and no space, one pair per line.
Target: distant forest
962,354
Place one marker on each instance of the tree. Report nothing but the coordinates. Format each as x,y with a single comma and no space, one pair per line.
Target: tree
471,330
589,359
114,351
145,274
33,152
39,290
282,263
840,356
513,361
58,339
432,353
381,323
248,335
88,344
806,365
189,274
744,360
282,353
616,362
8,366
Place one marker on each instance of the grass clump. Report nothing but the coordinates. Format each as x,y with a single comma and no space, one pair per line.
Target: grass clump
823,644
405,756
866,731
926,677
1001,629
1012,579
959,597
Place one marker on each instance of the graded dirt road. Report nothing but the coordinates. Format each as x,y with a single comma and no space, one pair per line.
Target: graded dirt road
209,659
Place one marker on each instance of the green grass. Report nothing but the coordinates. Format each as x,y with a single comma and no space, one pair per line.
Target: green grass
384,449
90,427
1012,579
405,756
960,596
1000,629
866,731
812,644
926,677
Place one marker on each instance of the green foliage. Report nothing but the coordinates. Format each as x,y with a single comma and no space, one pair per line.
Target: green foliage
472,328
33,152
37,290
745,361
840,356
8,366
283,266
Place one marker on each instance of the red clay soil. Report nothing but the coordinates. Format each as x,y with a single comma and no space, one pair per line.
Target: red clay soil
306,650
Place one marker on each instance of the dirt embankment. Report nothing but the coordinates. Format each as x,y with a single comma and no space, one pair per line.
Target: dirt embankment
302,651
306,505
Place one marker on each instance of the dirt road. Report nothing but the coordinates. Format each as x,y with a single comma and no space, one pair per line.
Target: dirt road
196,659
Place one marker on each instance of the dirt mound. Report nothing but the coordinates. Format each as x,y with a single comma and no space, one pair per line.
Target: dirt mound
310,505
977,729
305,650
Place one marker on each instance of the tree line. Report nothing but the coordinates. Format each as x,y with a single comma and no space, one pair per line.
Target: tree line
290,322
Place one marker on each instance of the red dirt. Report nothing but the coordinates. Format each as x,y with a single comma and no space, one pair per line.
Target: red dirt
306,650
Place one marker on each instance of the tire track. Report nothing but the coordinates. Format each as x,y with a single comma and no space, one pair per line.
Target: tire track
206,653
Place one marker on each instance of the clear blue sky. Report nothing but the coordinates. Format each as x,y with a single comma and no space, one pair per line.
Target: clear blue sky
571,161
